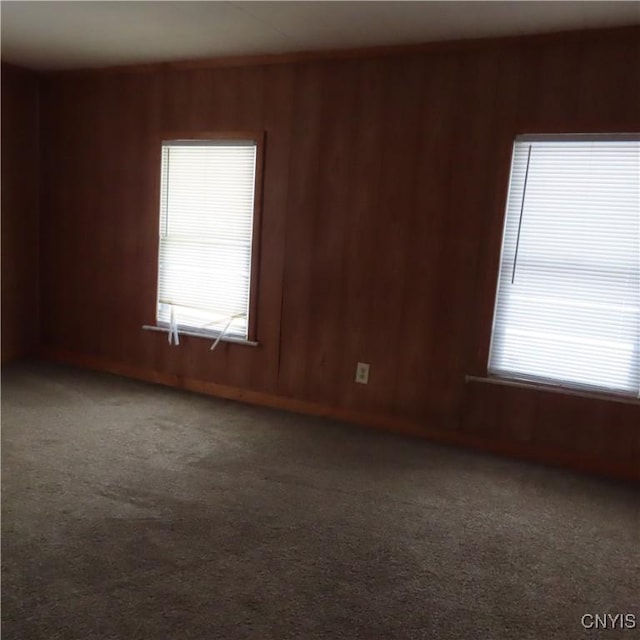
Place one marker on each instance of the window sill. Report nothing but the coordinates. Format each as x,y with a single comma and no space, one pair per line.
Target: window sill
583,392
207,335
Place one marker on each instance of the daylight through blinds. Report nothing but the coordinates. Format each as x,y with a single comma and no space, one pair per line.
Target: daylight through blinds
206,228
568,300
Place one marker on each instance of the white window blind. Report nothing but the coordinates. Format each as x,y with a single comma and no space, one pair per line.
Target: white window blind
206,227
568,300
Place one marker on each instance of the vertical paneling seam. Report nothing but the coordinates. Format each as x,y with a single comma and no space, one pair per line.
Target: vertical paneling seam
291,126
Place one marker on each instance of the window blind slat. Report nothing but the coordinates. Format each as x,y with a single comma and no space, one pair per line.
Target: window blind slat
568,300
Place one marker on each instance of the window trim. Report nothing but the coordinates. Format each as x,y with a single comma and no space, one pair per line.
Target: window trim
258,137
583,392
522,380
212,334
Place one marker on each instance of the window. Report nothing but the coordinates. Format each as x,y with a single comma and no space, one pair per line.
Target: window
207,230
568,300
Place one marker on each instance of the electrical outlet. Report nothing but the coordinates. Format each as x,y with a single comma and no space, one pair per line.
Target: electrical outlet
362,373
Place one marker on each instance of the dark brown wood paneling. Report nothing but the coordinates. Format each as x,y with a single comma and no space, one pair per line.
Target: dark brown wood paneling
302,205
384,188
473,166
325,319
359,257
390,228
608,94
511,83
418,366
248,112
277,117
20,167
586,427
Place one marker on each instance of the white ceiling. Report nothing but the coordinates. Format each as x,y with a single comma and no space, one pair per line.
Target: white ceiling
66,35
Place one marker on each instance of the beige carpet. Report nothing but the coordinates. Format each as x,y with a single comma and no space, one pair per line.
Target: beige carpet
132,511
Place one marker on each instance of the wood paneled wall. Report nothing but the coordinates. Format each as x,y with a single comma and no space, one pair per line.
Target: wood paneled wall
20,178
384,190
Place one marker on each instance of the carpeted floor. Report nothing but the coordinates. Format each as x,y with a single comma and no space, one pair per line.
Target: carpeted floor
133,511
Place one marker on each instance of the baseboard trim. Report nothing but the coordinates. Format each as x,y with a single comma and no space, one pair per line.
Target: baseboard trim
509,449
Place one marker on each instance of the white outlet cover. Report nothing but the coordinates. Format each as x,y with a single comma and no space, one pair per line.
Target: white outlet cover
362,372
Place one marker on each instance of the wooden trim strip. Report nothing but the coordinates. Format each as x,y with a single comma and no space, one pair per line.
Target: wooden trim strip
391,424
550,388
258,184
439,46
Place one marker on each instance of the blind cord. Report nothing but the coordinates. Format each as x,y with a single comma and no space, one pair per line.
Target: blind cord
173,329
224,331
524,191
174,338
